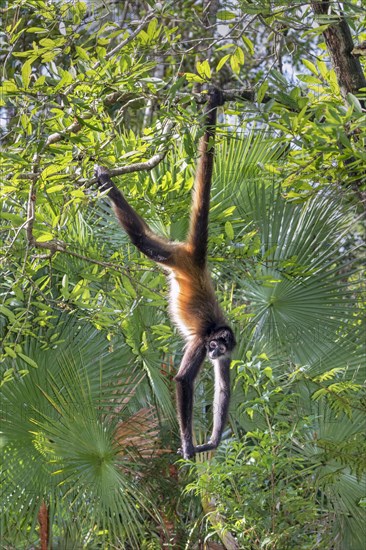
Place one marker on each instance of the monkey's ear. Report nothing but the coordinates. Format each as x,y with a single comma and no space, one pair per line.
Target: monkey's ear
230,338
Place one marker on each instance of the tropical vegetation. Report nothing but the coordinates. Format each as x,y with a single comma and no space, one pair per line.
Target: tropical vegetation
88,354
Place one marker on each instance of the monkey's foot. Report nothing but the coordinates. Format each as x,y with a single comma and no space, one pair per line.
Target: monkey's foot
187,451
209,446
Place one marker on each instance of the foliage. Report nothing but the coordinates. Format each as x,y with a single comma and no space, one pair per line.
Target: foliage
87,352
66,423
281,485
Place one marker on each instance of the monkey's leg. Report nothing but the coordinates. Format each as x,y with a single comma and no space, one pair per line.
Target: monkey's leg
188,370
154,247
220,404
198,229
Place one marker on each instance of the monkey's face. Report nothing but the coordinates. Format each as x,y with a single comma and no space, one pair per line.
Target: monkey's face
217,348
220,343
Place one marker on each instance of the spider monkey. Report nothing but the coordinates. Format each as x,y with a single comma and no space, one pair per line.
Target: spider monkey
193,304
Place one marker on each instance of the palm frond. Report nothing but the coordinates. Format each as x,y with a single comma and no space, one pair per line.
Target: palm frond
300,289
63,435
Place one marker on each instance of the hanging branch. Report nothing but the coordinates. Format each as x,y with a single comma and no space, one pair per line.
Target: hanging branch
240,94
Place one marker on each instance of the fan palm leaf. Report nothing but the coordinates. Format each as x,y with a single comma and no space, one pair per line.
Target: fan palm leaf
300,279
64,440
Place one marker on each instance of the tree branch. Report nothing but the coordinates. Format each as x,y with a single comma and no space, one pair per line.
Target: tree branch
74,128
130,37
218,521
241,94
43,521
147,164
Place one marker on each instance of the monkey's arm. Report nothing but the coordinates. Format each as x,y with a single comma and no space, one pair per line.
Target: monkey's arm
154,247
220,404
192,360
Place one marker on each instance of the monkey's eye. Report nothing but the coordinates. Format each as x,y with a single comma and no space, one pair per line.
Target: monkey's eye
213,344
222,349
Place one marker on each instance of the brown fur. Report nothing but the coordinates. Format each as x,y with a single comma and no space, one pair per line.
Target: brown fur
193,304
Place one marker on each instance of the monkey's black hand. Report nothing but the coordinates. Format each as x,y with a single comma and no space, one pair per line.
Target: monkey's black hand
104,181
188,451
103,177
216,97
100,171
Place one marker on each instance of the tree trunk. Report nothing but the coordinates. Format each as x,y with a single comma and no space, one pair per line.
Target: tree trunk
43,520
339,42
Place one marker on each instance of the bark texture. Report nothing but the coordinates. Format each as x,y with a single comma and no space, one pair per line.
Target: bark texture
339,42
43,526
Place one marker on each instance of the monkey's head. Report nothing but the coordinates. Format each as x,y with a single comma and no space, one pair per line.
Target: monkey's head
220,342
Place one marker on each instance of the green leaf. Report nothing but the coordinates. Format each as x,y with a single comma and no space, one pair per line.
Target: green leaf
249,44
268,372
82,53
50,170
234,63
309,65
26,71
225,15
239,54
192,77
37,30
203,69
7,312
323,69
28,360
319,393
309,79
355,102
152,30
222,62
7,189
8,86
10,351
44,237
229,230
66,79
65,287
262,91
55,188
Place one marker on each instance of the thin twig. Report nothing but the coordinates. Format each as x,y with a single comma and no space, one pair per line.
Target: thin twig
75,127
147,164
126,41
16,234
